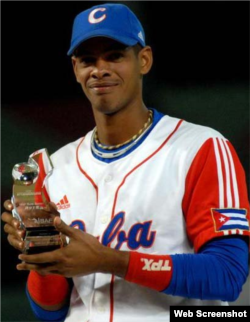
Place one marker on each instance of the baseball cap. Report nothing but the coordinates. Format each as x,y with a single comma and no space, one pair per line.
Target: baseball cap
115,21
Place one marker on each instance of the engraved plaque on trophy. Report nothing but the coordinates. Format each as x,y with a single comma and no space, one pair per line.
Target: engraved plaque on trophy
29,201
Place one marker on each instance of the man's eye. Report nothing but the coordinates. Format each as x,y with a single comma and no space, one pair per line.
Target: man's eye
115,56
87,60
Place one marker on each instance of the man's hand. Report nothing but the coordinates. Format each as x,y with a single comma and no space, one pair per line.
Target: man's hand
82,256
12,227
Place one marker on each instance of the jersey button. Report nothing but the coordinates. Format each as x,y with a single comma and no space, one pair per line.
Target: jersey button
101,309
109,178
104,219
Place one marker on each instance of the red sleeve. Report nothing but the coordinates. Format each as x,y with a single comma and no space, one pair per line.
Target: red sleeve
215,202
47,290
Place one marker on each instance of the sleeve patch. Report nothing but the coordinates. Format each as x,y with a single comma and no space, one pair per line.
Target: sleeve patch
230,220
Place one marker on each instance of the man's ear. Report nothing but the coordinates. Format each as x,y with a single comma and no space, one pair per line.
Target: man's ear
146,59
74,64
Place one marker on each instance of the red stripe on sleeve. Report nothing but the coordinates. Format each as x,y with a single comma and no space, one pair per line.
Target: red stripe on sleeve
223,172
231,179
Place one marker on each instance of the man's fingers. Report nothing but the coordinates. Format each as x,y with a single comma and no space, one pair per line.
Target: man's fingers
18,244
10,220
63,228
17,233
8,205
42,258
15,237
10,230
41,269
25,266
51,207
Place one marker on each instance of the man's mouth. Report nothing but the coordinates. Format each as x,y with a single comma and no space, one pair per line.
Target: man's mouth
103,87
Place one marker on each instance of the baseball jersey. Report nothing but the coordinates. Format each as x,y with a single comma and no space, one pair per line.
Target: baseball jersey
180,188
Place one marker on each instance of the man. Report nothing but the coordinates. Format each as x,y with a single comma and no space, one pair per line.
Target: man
160,204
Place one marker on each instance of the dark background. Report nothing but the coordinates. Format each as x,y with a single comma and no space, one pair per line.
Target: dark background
200,73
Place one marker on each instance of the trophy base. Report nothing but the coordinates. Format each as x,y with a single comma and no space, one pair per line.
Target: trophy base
40,249
40,240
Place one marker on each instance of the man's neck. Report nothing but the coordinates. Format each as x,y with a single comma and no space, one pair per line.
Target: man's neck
121,126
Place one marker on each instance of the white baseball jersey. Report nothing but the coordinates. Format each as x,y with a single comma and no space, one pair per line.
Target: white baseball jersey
165,197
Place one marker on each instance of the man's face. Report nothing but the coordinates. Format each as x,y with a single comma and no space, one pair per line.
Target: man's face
110,73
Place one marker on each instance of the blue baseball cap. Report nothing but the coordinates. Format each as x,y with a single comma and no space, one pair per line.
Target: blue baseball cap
115,21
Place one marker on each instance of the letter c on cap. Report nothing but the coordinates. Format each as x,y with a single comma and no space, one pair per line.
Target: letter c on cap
92,19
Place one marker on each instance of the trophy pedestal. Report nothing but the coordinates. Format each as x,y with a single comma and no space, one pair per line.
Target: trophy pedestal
39,240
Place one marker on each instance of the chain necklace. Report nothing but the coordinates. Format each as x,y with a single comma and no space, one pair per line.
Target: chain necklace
112,147
133,141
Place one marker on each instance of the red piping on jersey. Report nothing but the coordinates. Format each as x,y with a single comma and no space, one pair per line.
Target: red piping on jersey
112,298
149,157
113,209
85,173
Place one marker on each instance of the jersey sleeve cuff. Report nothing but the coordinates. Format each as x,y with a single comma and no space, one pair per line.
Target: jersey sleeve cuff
153,271
45,315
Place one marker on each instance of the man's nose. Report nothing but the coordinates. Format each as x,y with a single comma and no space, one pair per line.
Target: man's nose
101,69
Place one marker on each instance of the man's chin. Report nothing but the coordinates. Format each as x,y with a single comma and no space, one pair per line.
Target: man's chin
105,107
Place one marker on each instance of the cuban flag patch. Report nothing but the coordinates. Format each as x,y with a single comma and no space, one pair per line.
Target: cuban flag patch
230,220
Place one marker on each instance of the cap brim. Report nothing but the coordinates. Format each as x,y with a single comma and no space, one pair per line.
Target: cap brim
103,33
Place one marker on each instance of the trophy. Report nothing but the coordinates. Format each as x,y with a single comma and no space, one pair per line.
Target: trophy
29,201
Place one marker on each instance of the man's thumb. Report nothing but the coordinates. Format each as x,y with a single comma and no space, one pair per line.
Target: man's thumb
62,227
